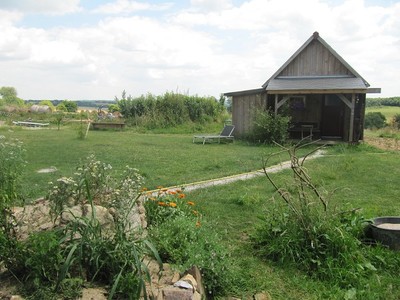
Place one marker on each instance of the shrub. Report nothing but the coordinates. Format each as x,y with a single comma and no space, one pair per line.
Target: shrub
305,231
374,120
396,121
182,239
58,261
268,128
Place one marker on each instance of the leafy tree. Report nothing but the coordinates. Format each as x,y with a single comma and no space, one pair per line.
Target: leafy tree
374,120
9,96
70,106
113,108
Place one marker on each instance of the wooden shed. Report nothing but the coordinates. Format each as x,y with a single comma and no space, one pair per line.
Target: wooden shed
321,92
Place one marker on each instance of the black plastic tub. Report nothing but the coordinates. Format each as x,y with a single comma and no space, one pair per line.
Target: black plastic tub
386,230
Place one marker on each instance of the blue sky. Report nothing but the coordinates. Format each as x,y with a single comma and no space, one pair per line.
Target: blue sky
94,49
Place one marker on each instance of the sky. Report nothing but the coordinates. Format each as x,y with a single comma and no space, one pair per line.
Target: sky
95,49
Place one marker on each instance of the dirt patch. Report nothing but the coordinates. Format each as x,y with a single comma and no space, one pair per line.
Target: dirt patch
383,143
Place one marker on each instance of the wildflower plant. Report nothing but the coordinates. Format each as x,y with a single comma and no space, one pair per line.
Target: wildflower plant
166,204
94,180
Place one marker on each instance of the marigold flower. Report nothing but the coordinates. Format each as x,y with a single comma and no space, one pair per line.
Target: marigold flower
181,196
172,204
171,192
160,203
198,224
190,203
178,191
144,189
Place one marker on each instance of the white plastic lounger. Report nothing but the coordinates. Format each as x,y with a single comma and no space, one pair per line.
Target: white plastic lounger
226,134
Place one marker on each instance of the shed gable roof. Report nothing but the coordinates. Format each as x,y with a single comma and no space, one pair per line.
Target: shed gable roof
313,65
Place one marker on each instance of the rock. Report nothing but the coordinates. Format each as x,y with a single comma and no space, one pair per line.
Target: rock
16,297
190,279
175,293
184,285
195,272
262,296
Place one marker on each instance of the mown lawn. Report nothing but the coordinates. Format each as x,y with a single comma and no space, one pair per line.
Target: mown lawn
163,159
362,177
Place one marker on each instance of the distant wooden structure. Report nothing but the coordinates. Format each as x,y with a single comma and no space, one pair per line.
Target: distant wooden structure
322,93
108,125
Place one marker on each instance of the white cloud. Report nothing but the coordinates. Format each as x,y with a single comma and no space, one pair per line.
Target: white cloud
128,6
42,6
208,48
211,5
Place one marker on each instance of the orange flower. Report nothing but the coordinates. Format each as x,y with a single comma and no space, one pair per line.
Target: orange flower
198,224
161,203
172,204
181,196
190,203
144,189
178,191
171,192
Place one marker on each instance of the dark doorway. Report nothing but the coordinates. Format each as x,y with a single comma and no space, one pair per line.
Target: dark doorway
332,117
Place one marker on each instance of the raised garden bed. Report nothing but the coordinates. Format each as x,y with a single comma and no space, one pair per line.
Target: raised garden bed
108,125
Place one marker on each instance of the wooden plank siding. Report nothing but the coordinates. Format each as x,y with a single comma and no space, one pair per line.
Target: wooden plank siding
315,60
243,110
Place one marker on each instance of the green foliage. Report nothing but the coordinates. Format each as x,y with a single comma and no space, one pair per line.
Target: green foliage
54,263
374,120
182,239
11,167
48,103
169,204
268,128
306,231
185,243
67,106
391,101
396,121
113,108
9,96
168,110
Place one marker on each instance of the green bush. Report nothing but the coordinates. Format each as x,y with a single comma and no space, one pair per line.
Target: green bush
182,239
374,120
305,230
396,121
268,128
185,243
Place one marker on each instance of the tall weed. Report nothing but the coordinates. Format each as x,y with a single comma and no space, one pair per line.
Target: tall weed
304,229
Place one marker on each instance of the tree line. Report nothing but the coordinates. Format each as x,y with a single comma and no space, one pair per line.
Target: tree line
391,101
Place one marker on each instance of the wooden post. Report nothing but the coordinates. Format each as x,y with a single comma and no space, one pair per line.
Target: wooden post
353,104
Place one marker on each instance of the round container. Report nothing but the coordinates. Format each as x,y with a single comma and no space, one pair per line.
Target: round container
386,230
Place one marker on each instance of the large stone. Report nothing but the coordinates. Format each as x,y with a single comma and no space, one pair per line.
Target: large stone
262,296
175,293
195,272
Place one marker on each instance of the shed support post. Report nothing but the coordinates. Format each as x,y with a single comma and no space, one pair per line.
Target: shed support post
351,105
280,103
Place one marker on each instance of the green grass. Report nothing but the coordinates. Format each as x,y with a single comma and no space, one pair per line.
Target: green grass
166,160
363,177
387,111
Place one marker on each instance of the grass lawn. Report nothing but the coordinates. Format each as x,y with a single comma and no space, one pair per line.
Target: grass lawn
388,111
166,159
363,177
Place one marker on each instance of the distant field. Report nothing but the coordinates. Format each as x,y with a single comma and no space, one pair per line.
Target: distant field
387,111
